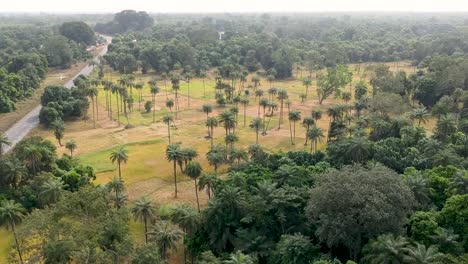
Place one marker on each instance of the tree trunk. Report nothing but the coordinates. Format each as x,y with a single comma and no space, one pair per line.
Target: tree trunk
94,116
196,194
146,230
175,178
120,172
169,132
245,108
281,115
256,139
13,227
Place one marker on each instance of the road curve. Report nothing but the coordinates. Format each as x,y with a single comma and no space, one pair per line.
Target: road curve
21,128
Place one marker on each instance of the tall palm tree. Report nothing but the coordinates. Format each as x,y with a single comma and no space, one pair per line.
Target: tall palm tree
230,140
256,124
176,87
115,90
33,156
120,156
139,86
166,236
256,81
237,155
144,210
420,254
168,119
282,95
194,171
211,123
71,146
258,94
117,186
346,96
307,122
386,249
188,77
208,182
293,117
245,101
12,213
51,191
154,90
315,135
92,93
3,142
170,103
307,82
264,103
228,120
59,129
174,154
235,111
420,114
187,218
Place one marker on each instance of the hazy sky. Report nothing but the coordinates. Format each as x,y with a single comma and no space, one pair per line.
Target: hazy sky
201,6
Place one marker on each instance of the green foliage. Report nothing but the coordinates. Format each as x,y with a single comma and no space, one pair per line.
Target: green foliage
293,249
78,31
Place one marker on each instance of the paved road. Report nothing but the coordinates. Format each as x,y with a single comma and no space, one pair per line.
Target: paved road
21,128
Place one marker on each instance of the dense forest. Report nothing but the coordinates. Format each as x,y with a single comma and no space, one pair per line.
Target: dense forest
385,187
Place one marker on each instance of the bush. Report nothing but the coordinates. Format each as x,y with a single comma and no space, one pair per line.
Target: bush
148,106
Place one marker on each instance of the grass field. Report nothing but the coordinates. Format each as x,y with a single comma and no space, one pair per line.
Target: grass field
147,171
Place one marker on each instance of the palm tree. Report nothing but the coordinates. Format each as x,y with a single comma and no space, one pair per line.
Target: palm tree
230,140
245,101
307,122
117,186
293,117
228,120
216,156
208,182
346,96
115,90
120,156
239,258
194,170
264,104
207,109
235,111
14,171
176,87
71,146
168,119
203,76
445,127
420,254
211,123
315,135
307,82
270,79
386,249
316,115
258,94
359,149
166,236
256,124
154,90
170,103
32,157
188,77
139,86
446,240
282,95
59,129
188,219
237,155
174,154
92,93
51,190
12,213
144,210
420,114
272,92
3,142
256,81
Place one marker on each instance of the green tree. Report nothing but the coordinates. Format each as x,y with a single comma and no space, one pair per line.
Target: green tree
211,123
256,124
168,119
419,114
386,249
71,146
117,186
294,249
149,253
420,254
454,215
239,258
154,91
166,236
315,135
293,117
307,122
194,171
208,182
59,130
174,155
282,95
245,101
144,210
120,156
216,156
307,82
351,221
51,191
78,31
11,214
